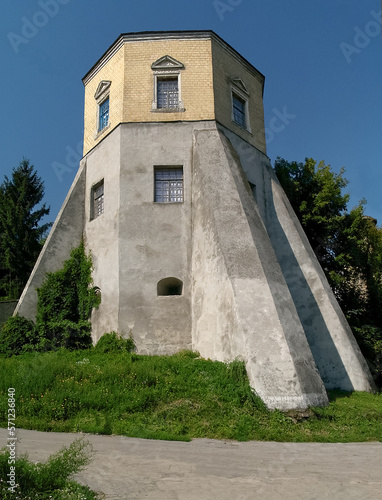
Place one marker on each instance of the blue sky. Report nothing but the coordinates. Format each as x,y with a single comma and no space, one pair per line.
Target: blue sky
321,60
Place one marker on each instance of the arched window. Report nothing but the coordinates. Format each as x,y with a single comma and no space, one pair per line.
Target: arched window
169,286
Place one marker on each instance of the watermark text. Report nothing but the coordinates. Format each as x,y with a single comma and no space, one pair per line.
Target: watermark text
72,161
227,6
277,123
31,26
12,439
362,37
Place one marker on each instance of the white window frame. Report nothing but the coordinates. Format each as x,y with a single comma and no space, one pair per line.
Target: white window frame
100,104
164,75
93,190
101,95
244,97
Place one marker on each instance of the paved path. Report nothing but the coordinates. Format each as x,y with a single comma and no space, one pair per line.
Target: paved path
205,469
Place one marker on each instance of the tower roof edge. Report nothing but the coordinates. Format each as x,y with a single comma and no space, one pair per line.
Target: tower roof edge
165,35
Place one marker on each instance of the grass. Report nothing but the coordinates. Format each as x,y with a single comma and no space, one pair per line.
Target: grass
177,397
51,480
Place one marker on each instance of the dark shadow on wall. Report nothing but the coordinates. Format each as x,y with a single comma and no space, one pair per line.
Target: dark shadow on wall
323,349
325,353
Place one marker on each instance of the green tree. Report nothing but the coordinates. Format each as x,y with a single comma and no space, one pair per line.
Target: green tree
348,246
315,193
20,227
357,272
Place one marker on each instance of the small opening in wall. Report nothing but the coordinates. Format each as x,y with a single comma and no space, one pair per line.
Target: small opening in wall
97,293
169,286
253,189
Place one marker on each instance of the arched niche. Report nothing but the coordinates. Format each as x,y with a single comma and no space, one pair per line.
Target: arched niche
169,286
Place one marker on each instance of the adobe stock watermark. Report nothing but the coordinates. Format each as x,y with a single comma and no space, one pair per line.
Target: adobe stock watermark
12,439
72,161
31,27
279,121
226,6
362,37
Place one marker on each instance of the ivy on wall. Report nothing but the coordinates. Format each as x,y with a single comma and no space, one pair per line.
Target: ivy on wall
65,303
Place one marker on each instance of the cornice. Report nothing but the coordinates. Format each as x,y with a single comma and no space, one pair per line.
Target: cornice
149,36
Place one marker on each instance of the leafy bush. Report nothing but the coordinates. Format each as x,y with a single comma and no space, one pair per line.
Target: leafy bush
370,341
18,335
67,334
65,302
114,342
49,480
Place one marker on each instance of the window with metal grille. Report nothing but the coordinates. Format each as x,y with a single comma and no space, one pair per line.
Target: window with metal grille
97,200
168,185
104,114
239,110
167,92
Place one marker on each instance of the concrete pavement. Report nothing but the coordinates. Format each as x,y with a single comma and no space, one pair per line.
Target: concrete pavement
205,469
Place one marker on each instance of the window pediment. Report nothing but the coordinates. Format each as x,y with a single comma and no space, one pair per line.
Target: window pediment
167,62
239,84
103,86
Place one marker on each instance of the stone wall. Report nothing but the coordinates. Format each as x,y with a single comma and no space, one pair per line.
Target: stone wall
242,304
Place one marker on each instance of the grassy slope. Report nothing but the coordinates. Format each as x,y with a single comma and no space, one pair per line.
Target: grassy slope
170,397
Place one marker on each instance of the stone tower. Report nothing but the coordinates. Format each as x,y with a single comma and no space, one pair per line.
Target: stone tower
194,243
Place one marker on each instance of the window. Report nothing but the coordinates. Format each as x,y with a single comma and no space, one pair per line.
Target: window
97,200
168,184
103,115
167,85
239,110
102,99
240,103
169,286
167,92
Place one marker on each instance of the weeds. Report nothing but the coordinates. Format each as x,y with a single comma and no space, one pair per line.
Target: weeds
168,397
50,480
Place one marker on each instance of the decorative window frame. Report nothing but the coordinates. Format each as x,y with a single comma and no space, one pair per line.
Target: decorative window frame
167,67
101,95
238,88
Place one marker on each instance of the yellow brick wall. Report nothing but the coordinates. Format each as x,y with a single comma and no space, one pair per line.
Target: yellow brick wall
196,79
112,71
132,87
225,66
205,87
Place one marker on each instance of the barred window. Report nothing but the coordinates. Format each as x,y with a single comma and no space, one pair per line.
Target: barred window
239,110
97,200
104,114
168,185
167,92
